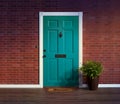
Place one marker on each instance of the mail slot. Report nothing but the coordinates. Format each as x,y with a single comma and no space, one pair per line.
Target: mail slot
60,55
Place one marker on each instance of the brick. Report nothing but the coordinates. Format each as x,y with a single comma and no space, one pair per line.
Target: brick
19,37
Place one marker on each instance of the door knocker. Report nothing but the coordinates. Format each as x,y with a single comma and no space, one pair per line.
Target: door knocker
60,34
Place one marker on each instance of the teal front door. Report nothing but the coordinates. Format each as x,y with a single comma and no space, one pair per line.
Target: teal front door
60,51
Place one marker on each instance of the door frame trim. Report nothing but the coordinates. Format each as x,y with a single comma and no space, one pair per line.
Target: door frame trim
41,14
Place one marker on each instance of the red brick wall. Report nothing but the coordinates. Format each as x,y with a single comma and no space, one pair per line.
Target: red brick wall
19,36
101,32
19,41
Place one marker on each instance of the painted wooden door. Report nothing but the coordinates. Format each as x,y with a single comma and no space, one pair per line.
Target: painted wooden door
60,51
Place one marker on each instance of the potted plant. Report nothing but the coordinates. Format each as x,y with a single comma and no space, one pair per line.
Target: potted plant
92,70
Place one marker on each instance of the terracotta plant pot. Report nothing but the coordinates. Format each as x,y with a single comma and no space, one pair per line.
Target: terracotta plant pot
93,83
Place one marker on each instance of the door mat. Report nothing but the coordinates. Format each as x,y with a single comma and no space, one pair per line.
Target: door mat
60,89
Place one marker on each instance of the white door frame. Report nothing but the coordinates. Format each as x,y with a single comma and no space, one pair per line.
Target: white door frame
41,14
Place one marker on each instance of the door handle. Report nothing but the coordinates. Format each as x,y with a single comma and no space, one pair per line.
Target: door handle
44,56
44,50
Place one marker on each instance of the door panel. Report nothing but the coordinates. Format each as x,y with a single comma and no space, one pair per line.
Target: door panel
52,39
68,41
61,44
